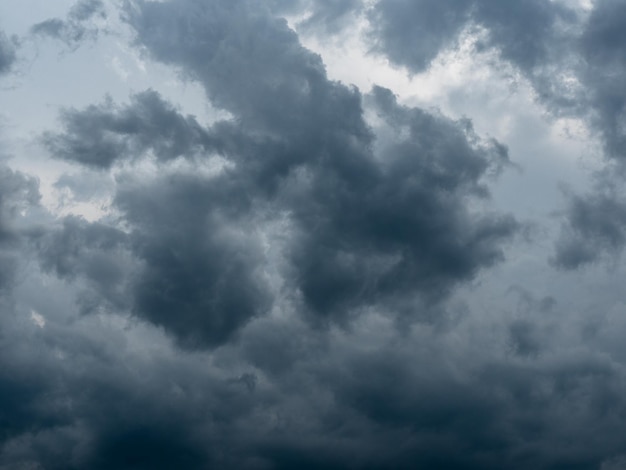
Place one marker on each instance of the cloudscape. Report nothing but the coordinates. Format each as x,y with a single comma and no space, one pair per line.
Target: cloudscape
312,234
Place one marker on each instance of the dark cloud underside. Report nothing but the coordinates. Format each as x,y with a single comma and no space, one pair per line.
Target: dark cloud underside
201,278
338,195
603,45
595,222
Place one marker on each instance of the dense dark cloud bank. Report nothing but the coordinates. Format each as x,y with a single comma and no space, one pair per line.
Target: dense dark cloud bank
282,287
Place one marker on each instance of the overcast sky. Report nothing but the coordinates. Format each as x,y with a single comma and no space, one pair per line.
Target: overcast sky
312,234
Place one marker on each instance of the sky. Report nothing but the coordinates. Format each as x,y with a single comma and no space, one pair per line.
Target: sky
312,234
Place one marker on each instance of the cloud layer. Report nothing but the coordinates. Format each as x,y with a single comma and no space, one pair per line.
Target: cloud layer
310,276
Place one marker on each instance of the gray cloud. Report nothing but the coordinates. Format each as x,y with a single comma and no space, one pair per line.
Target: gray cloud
101,134
596,225
436,401
366,224
316,141
18,388
75,28
202,275
146,416
189,263
381,237
7,53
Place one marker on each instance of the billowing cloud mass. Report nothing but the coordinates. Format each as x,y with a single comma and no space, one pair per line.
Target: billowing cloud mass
218,253
101,134
413,33
368,226
74,29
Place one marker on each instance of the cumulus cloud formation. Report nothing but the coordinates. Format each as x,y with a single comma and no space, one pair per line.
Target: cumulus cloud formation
603,46
202,277
414,33
597,224
102,134
404,228
301,273
368,226
361,232
17,193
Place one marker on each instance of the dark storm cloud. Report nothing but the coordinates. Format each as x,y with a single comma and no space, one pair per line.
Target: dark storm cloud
190,264
21,391
375,218
404,228
18,388
202,278
74,29
17,193
365,231
7,53
412,33
100,135
372,222
87,402
81,400
444,406
65,250
512,411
